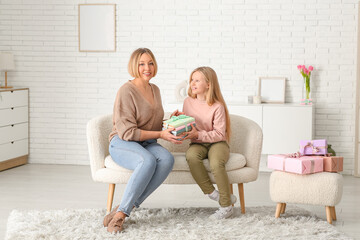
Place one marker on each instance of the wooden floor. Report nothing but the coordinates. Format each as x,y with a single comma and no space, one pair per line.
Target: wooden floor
37,186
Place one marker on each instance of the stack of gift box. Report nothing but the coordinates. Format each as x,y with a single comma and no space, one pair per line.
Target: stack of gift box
311,158
180,124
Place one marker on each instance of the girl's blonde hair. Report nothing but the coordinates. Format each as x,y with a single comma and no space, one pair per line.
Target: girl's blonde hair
213,94
133,66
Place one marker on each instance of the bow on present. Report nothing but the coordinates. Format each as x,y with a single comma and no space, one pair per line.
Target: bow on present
175,118
314,149
294,155
299,155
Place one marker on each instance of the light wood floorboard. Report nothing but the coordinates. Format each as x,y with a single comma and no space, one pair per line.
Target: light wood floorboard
40,186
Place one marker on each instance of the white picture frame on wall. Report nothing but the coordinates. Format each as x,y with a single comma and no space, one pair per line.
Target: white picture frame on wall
97,24
272,89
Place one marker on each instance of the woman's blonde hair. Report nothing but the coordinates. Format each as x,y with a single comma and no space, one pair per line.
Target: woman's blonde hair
213,94
133,66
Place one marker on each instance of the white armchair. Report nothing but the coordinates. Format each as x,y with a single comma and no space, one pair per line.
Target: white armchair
242,167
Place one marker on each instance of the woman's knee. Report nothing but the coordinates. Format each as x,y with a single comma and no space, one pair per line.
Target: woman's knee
149,161
168,160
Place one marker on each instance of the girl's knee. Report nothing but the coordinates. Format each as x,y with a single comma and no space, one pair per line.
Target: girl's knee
217,166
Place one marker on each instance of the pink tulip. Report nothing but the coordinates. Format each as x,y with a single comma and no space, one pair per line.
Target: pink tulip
311,68
299,67
306,71
303,66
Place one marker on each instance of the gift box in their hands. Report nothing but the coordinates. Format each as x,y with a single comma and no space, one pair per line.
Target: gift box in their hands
181,123
302,165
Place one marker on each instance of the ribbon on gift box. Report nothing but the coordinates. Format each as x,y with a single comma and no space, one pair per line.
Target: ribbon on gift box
299,155
314,149
177,118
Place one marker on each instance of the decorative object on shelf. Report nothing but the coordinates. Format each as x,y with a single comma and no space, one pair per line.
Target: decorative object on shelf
257,99
97,27
306,73
6,64
272,89
331,151
181,91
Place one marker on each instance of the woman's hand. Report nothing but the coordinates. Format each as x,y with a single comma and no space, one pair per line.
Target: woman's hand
193,134
166,135
176,113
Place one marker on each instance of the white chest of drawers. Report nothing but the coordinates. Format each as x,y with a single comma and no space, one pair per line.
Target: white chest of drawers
14,127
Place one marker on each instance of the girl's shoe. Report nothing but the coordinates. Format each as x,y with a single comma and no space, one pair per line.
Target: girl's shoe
216,196
116,225
222,213
110,216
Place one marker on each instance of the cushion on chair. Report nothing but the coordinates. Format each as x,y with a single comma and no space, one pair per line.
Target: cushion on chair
236,161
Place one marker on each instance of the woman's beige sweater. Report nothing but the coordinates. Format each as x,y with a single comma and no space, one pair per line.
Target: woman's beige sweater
132,113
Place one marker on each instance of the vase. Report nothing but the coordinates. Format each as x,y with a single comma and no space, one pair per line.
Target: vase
330,150
306,92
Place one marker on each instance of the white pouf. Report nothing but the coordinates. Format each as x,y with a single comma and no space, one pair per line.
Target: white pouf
318,189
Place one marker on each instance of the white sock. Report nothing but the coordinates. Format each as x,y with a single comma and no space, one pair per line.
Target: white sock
214,195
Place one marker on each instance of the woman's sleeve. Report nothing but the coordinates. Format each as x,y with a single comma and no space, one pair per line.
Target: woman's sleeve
125,116
219,128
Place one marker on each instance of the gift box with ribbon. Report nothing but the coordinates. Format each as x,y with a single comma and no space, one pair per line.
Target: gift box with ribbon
333,164
300,165
181,123
313,147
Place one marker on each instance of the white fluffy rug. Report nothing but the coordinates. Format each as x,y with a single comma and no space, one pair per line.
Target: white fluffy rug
172,223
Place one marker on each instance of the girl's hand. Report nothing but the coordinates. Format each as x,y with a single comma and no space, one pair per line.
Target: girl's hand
176,113
193,134
166,135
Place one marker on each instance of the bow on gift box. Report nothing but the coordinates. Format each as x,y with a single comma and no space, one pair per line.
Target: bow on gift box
314,149
294,155
174,118
298,155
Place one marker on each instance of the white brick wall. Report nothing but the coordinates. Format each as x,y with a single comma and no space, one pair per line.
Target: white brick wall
240,39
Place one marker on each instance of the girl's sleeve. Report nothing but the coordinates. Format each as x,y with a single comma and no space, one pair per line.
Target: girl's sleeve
219,128
125,117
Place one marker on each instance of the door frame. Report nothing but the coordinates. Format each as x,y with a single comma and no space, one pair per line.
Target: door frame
357,105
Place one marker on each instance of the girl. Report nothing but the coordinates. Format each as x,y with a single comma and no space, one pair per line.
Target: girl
137,123
209,139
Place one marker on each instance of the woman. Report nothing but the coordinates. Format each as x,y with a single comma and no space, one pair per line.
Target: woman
137,123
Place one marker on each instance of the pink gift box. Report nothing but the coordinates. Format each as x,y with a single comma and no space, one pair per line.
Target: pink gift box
313,147
302,165
333,164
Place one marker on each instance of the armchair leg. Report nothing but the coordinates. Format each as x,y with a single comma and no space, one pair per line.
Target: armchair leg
241,196
231,191
110,197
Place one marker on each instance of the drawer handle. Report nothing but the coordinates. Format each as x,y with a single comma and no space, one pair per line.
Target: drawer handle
12,142
12,108
12,125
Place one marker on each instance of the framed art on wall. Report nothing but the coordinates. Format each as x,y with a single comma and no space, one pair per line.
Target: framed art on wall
272,89
97,28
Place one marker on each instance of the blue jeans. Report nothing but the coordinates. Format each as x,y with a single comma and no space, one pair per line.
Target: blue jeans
151,163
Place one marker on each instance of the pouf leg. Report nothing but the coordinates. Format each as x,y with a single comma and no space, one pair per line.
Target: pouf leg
333,213
328,214
278,210
283,206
